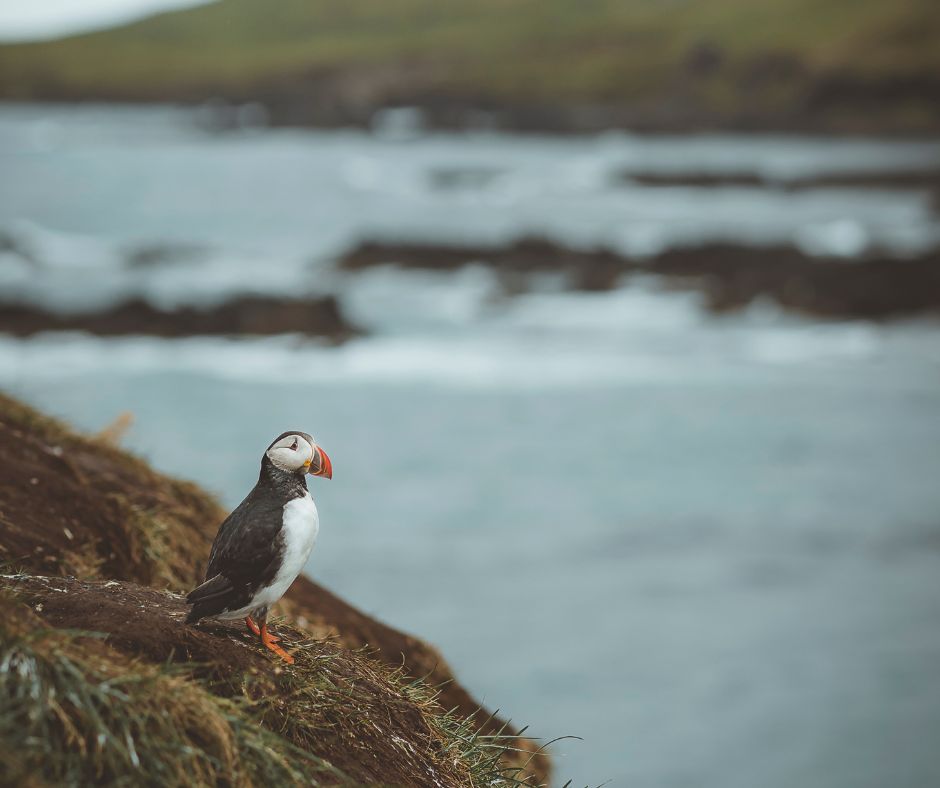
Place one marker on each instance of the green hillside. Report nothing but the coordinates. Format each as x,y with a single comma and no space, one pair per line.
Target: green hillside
712,59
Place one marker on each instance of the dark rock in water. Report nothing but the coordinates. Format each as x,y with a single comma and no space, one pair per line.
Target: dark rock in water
920,180
704,180
602,275
524,254
873,287
246,315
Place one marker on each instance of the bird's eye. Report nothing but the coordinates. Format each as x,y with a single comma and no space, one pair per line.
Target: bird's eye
293,446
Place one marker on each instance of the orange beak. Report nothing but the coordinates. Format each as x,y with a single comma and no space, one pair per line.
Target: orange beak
320,464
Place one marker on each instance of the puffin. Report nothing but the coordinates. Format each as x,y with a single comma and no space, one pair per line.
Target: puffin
265,542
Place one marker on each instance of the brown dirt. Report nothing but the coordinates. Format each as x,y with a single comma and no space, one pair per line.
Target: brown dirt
140,622
874,287
74,506
246,315
144,625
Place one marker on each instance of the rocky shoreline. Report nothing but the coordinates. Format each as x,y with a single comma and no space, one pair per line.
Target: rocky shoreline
875,286
400,100
241,316
918,180
840,108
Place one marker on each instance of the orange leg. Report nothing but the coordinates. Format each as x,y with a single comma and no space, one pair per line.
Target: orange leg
257,630
270,642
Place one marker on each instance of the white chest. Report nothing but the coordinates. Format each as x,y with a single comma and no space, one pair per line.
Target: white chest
301,524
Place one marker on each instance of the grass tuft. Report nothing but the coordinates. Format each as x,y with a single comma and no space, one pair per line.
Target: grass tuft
73,713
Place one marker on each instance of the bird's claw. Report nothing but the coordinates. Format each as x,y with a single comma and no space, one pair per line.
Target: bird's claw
270,641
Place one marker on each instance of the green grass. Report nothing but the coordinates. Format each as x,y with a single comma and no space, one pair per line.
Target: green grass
70,715
74,712
615,50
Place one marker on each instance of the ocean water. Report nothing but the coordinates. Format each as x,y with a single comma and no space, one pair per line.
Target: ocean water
707,546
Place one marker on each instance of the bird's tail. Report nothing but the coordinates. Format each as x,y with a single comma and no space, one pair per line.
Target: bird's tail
208,599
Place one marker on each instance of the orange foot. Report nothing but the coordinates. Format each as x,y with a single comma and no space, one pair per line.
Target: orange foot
270,642
250,623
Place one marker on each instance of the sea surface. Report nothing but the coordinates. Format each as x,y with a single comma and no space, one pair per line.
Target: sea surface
709,546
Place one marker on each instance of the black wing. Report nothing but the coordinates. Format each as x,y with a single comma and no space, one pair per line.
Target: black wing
245,556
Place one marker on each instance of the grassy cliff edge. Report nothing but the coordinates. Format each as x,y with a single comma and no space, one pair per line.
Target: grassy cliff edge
101,682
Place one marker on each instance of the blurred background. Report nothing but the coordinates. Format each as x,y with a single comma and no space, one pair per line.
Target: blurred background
618,319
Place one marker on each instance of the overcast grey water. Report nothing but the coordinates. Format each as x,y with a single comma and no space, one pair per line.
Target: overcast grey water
709,546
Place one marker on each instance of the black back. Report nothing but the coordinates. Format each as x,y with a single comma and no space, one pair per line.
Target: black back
249,547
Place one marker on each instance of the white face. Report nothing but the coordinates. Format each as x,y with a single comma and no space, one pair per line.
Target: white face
291,453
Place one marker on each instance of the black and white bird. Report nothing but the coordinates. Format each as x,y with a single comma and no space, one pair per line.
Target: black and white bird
263,545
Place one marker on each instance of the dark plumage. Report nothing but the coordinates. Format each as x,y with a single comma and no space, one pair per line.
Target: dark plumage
248,548
264,542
